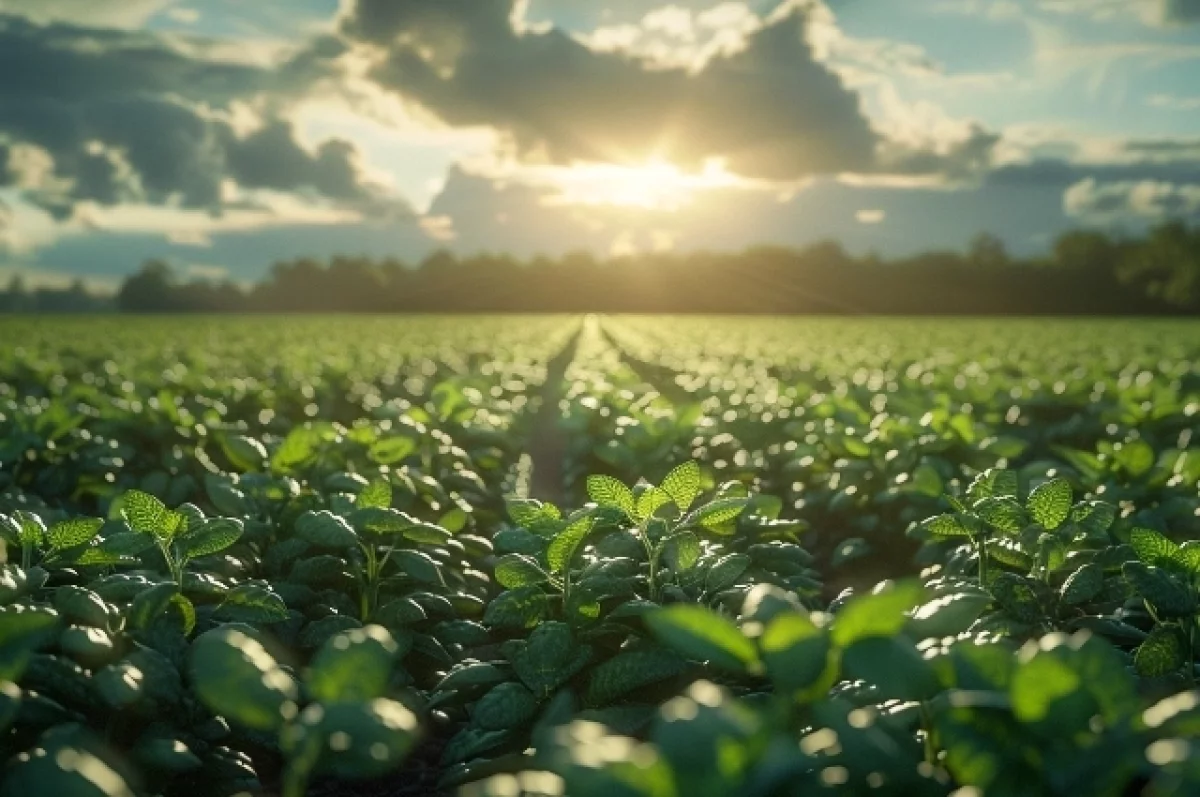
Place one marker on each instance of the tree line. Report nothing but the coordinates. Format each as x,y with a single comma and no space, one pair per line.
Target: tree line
1085,272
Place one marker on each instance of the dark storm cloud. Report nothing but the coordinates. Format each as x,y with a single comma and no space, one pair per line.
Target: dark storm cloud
772,110
1181,11
125,117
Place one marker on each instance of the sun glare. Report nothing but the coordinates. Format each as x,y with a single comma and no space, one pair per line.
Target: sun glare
654,185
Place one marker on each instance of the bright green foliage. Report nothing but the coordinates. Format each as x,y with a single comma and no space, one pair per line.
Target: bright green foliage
253,557
1050,503
700,634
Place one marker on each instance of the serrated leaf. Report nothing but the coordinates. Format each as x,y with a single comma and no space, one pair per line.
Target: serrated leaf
1017,597
1162,653
650,501
354,665
541,518
1188,555
298,448
716,512
682,484
32,530
1151,547
563,546
76,531
514,570
607,491
213,536
1050,503
1094,517
1003,514
376,494
994,483
946,527
704,635
144,513
252,603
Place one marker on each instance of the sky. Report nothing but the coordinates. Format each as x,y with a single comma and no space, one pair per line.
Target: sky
225,135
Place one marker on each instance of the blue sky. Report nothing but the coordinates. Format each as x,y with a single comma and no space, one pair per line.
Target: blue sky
224,135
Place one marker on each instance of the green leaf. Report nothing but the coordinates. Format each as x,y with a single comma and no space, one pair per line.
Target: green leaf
795,651
725,572
562,547
1094,517
541,518
507,705
1017,597
549,658
682,551
1158,587
297,449
69,533
1188,555
1050,503
893,665
144,513
353,666
1082,585
1161,654
716,512
236,678
349,740
213,536
993,483
946,527
1135,456
21,631
514,570
704,635
418,566
947,615
519,608
325,529
1003,514
650,501
391,450
878,614
682,484
1151,547
252,603
246,453
630,670
376,494
32,530
151,603
1038,683
607,491
65,770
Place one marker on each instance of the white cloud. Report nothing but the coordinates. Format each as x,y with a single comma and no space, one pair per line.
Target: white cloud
1101,202
97,13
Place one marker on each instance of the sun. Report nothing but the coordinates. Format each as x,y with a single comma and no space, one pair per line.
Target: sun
656,184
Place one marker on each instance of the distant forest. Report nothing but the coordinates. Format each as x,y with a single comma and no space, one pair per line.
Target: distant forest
1085,272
